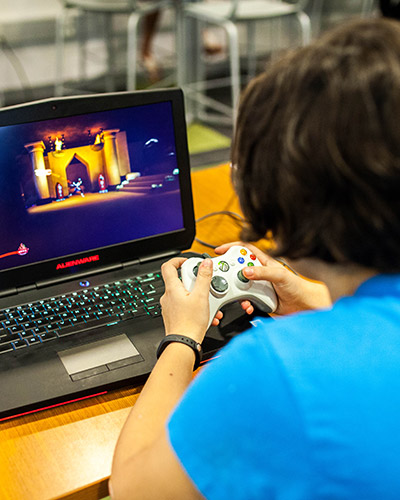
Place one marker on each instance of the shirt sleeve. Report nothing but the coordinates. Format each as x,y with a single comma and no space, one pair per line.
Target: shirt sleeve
238,432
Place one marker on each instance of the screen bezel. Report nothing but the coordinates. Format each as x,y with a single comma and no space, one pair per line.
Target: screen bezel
78,105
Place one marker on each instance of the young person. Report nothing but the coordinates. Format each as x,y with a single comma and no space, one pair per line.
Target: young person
306,406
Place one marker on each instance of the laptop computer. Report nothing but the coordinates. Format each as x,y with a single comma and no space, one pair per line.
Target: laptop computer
95,194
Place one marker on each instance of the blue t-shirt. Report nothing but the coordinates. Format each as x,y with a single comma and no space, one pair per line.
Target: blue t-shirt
304,407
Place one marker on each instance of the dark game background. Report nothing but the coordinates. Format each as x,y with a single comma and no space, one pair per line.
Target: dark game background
113,217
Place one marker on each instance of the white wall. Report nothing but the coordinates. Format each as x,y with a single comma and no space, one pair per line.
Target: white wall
18,10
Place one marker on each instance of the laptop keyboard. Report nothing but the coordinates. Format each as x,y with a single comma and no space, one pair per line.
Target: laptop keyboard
56,317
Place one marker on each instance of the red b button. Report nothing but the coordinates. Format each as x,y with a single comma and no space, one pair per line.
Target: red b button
252,256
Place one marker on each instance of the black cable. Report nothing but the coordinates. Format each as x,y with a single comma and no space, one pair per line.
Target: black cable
284,264
238,218
234,215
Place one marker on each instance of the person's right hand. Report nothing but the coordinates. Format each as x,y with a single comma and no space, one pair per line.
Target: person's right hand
294,292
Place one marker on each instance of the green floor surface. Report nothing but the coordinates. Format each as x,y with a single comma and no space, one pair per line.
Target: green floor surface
202,139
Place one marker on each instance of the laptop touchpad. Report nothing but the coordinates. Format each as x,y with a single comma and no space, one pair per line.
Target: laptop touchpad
99,357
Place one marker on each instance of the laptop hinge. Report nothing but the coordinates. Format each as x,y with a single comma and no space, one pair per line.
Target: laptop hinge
165,255
7,292
129,263
90,272
26,288
16,290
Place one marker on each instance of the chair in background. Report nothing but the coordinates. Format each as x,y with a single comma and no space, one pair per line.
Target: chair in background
362,7
227,15
135,10
367,7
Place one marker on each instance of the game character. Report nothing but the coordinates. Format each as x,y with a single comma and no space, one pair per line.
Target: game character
102,184
59,192
77,187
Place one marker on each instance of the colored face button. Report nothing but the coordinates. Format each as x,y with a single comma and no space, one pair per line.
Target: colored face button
241,260
252,256
223,266
250,264
243,251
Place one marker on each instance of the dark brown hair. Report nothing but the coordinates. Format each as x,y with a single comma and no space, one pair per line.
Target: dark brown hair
317,148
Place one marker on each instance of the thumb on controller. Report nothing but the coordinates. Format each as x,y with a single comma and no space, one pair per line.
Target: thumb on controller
203,280
272,274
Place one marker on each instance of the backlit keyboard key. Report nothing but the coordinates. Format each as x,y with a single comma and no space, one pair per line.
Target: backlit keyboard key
6,348
18,344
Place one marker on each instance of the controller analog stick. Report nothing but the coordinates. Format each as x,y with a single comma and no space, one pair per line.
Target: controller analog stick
229,284
196,269
219,284
242,277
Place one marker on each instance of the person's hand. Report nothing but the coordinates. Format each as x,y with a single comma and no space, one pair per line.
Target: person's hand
186,313
294,292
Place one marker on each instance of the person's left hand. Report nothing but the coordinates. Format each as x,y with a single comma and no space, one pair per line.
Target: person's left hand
186,313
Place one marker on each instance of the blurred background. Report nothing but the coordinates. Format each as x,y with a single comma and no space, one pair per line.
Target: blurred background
28,55
93,48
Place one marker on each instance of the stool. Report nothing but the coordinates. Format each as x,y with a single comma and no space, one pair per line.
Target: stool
135,11
227,14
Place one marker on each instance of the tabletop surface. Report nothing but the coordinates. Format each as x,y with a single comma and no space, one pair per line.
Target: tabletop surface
66,452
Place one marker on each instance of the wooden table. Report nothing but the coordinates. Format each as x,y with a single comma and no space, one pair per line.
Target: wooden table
66,452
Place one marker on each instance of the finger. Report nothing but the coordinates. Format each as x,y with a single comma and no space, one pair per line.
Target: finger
219,315
203,280
226,246
250,309
169,271
274,274
247,307
261,256
217,318
245,304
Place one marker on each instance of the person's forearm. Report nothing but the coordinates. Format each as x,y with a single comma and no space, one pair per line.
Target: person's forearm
164,388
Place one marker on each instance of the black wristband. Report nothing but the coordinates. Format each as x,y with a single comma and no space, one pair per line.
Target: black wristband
196,346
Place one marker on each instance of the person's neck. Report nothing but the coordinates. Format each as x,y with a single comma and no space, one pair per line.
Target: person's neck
341,279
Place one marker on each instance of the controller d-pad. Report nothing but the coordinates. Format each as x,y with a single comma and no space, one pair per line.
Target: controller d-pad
242,277
219,284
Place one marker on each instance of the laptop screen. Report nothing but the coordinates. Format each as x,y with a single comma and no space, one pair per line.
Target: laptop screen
77,184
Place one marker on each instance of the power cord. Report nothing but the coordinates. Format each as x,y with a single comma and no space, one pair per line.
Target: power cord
240,220
236,217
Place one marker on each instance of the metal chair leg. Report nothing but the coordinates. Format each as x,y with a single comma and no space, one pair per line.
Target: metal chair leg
131,54
60,42
367,7
199,73
234,63
82,43
305,26
316,16
110,76
251,50
180,46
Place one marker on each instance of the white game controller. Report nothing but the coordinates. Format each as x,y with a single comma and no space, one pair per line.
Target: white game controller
228,283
